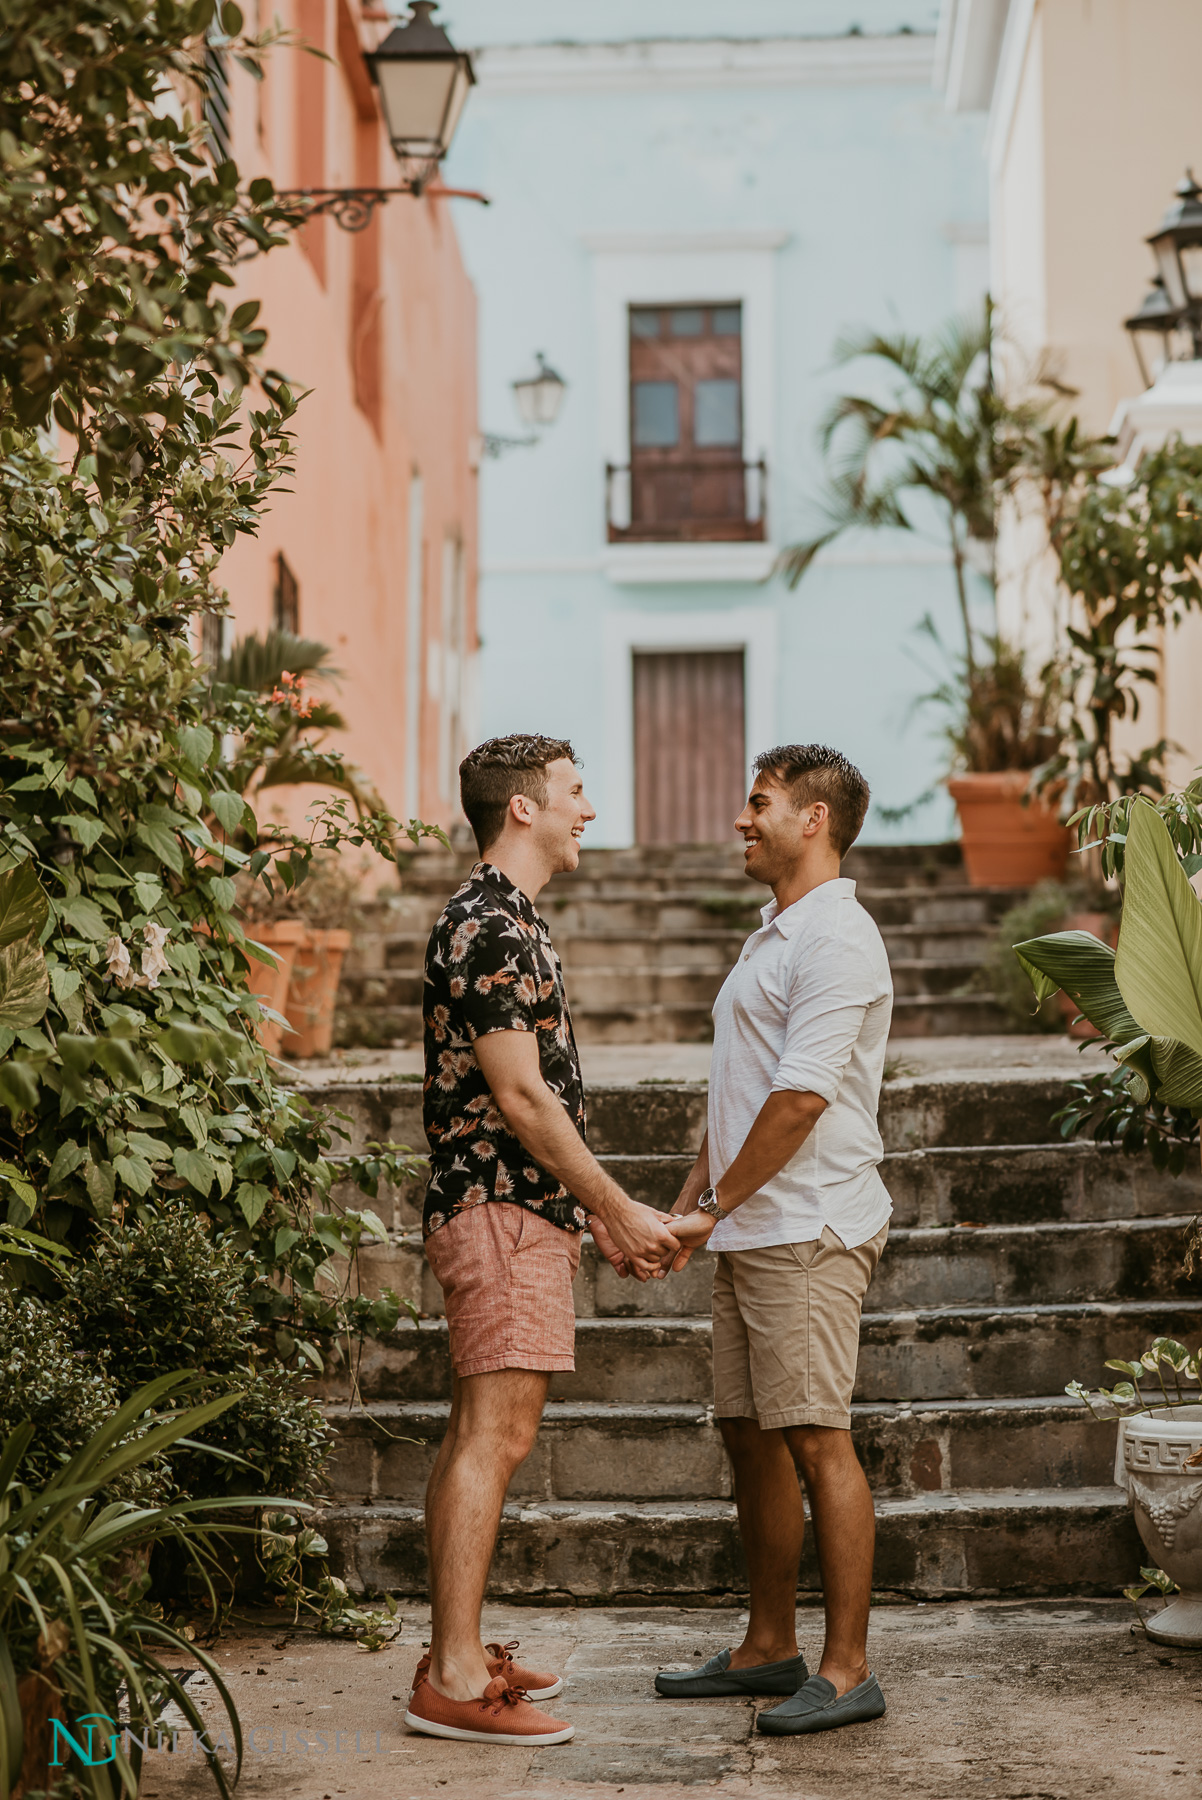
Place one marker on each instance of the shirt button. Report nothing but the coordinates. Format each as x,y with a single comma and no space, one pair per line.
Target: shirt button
747,956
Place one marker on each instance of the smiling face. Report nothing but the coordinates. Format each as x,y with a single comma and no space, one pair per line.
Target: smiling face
558,826
777,839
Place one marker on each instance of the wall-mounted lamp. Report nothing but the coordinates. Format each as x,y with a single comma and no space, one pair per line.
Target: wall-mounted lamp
539,398
423,82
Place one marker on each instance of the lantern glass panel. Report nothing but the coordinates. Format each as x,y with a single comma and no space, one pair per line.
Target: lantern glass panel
1191,265
1170,269
417,97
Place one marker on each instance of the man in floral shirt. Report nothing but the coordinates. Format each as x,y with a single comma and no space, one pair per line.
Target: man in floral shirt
512,1188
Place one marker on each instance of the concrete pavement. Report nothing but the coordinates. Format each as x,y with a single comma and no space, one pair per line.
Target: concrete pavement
1041,1700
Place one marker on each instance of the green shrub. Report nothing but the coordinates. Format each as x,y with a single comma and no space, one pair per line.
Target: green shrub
162,1295
66,1393
1001,974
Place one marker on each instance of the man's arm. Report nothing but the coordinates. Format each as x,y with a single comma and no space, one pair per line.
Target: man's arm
509,1060
781,1127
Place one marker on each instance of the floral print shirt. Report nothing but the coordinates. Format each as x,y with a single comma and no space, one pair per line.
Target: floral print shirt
490,966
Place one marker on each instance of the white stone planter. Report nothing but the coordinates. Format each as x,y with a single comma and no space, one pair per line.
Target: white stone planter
1166,1499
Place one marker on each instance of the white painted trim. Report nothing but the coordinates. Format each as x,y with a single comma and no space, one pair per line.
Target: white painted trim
751,629
681,243
967,52
1008,83
662,64
638,565
659,274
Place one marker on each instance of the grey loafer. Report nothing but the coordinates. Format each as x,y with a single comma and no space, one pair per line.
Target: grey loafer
817,1707
716,1680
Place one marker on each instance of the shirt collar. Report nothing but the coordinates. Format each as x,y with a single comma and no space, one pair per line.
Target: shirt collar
500,885
789,918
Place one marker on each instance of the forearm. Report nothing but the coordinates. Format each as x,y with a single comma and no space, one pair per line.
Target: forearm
783,1124
696,1181
542,1127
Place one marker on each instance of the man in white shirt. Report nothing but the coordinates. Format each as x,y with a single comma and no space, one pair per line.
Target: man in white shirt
787,1191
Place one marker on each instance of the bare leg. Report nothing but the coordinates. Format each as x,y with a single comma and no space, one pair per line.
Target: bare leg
494,1422
845,1530
772,1524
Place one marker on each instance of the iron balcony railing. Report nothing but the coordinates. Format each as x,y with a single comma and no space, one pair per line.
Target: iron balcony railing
699,501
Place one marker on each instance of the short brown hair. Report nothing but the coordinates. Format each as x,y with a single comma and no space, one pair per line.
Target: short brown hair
812,772
492,773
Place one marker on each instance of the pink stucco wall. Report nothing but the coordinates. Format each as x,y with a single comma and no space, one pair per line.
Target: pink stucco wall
380,327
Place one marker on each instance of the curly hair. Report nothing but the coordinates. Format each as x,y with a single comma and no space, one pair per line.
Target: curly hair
492,773
811,772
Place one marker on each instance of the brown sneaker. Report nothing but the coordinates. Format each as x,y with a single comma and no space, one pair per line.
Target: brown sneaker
539,1686
503,1715
534,1685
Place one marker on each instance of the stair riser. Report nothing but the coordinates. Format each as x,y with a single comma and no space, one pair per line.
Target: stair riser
962,943
939,977
621,1459
658,1119
939,1356
964,1015
1041,1266
670,984
1090,1549
1044,1183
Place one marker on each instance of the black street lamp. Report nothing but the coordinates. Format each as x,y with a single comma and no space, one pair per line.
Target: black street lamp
538,398
1153,326
423,82
1172,311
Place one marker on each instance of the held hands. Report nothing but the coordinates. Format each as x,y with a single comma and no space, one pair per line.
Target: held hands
691,1231
636,1241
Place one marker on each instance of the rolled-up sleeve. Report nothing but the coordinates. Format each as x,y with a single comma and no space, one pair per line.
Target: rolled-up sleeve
830,988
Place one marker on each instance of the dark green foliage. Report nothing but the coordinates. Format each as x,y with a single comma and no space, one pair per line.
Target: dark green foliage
1102,1108
161,1296
66,1393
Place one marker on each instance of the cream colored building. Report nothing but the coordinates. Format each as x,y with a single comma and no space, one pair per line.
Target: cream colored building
1093,116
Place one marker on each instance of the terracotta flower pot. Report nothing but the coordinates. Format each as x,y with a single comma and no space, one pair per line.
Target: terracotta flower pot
269,981
313,989
1007,843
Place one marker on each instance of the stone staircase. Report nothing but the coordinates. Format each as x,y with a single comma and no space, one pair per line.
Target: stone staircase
1016,1262
647,937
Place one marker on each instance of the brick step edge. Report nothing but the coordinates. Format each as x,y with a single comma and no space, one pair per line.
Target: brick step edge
941,1546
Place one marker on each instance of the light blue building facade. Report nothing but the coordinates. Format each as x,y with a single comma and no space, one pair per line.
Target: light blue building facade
691,201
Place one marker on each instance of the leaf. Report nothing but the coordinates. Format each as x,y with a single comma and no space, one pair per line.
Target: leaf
24,984
194,1167
196,745
285,1237
162,842
67,1159
252,1198
84,830
98,1179
84,917
1159,959
229,808
135,1172
118,1060
24,907
1178,1073
1083,966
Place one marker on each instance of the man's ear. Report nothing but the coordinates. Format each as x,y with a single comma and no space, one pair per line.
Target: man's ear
820,812
522,808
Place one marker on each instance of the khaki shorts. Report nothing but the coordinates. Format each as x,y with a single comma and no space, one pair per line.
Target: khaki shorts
787,1330
506,1277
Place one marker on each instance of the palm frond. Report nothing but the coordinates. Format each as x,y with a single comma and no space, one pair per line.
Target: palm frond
259,664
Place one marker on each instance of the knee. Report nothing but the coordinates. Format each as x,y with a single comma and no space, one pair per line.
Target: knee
817,1448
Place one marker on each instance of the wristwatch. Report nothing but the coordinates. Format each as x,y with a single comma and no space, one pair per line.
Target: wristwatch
710,1203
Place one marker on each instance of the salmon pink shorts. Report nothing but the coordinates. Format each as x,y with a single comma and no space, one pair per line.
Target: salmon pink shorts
506,1276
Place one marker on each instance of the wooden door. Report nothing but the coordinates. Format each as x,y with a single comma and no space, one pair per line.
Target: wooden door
686,422
689,765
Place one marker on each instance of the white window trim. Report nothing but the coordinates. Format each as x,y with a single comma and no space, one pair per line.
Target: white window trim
633,271
751,629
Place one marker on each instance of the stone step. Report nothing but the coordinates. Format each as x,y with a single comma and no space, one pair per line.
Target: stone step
650,1117
933,943
1006,1265
949,1015
937,1546
630,1451
929,1353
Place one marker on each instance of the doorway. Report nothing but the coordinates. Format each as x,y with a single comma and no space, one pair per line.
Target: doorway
689,758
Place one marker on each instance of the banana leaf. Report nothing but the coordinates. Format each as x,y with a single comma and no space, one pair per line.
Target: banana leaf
1159,960
1084,967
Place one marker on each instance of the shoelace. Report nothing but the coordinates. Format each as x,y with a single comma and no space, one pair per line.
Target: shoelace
507,1696
503,1653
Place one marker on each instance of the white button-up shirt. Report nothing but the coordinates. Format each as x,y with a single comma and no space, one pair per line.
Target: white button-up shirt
805,1009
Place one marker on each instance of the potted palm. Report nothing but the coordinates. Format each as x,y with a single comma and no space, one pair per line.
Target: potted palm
1145,998
948,442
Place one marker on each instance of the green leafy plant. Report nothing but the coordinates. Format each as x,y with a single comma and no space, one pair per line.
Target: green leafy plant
288,1547
1171,1366
1128,555
1104,1107
75,1636
1000,974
